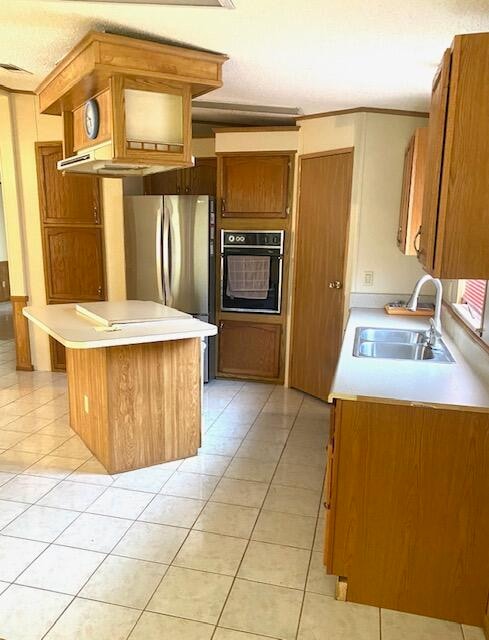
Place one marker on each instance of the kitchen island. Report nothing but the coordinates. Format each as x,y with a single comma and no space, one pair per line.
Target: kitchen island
135,387
407,488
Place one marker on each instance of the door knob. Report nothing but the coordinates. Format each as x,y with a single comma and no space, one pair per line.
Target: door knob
335,284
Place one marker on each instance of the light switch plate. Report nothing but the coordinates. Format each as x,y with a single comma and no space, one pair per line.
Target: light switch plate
368,278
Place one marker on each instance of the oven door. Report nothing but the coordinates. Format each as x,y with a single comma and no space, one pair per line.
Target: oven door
260,300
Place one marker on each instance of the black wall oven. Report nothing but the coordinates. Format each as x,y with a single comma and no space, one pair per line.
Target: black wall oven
251,271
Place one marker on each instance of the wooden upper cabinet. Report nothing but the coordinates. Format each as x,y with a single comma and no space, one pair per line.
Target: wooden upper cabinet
201,179
434,161
74,263
412,193
197,180
65,199
255,186
166,183
249,349
455,223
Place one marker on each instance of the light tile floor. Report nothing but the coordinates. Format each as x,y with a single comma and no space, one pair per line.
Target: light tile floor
225,546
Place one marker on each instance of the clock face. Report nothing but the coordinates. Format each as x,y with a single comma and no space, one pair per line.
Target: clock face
91,120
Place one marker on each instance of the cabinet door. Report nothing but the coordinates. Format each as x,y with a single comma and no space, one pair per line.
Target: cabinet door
329,492
412,193
405,196
74,263
249,349
201,179
255,186
4,282
166,183
434,161
58,355
65,199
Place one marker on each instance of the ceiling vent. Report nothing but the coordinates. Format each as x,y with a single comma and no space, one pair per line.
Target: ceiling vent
13,68
225,4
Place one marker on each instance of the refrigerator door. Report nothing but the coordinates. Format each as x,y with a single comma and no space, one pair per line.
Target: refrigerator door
143,219
186,253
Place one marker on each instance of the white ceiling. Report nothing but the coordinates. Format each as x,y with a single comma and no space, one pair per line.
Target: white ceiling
318,55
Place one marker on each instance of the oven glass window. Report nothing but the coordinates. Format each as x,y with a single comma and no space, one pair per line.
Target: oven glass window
251,280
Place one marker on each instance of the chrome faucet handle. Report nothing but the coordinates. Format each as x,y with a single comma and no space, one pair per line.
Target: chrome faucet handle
432,334
434,329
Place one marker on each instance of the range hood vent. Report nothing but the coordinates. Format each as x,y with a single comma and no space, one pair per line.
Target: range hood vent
98,161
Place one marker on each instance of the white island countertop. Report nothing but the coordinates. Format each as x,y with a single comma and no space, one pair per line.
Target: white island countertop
437,384
76,331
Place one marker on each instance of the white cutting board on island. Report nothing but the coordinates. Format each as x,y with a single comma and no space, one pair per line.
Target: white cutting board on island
128,311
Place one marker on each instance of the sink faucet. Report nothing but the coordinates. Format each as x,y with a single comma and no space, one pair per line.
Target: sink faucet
412,304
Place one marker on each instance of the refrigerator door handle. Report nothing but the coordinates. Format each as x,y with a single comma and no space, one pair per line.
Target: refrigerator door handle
166,256
159,266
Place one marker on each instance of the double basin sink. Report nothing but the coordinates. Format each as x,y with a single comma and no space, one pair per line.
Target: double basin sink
398,344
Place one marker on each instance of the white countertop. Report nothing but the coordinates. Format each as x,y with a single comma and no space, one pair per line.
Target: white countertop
427,383
75,331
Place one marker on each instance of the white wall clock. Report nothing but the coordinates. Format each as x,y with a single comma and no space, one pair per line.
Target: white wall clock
92,119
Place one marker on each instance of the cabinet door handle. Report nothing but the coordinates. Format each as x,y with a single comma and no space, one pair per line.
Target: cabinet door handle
399,232
95,213
99,290
223,206
221,325
417,248
187,189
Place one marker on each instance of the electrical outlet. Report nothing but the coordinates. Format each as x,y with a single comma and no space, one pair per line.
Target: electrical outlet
86,404
368,278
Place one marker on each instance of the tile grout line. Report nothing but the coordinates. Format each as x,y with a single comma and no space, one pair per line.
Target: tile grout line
235,577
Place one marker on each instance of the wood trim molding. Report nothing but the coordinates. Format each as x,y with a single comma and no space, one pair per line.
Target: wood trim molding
21,333
263,129
392,112
470,332
22,91
278,152
321,154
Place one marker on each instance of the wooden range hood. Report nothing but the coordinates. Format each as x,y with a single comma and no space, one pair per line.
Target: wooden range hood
126,103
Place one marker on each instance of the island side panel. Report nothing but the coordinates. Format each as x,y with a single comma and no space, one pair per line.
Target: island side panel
411,509
87,392
154,402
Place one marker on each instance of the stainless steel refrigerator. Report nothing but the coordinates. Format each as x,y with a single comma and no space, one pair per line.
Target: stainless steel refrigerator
169,253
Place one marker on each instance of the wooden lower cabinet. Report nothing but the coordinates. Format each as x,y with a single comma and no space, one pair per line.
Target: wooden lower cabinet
249,349
4,282
408,524
58,355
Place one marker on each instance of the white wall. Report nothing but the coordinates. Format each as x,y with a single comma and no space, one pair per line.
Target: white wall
379,142
19,173
385,141
31,127
3,237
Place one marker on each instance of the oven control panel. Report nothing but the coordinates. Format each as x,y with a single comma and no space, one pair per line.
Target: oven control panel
253,239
